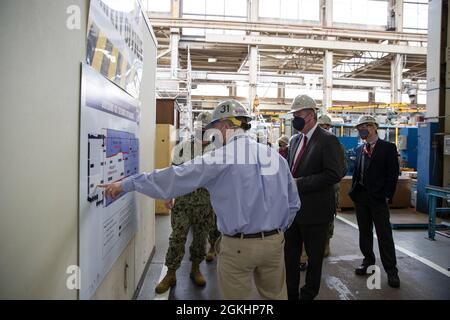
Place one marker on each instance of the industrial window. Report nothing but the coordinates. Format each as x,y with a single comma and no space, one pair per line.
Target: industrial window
219,8
384,96
156,5
350,95
267,90
292,91
229,10
415,16
294,10
210,90
362,12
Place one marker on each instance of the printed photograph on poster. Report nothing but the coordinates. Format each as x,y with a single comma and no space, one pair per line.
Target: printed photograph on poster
114,42
109,152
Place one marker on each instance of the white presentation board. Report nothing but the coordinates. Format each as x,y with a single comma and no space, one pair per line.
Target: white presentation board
109,152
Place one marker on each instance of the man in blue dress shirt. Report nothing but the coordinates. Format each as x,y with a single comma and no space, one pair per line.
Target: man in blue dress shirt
252,193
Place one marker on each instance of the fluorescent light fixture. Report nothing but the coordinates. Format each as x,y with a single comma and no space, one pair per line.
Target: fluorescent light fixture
212,59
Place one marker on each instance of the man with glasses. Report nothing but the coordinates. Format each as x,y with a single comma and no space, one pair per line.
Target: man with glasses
373,186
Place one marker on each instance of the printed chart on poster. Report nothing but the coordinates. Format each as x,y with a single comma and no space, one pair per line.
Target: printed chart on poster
109,152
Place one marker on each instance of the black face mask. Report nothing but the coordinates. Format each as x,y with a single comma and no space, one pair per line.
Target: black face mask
363,133
298,123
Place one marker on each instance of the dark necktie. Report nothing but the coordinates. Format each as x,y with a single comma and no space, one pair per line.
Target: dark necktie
297,161
365,161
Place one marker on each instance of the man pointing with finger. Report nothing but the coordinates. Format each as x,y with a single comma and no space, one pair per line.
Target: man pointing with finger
253,195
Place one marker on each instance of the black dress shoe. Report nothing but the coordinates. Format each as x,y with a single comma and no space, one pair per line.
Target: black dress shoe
361,270
393,280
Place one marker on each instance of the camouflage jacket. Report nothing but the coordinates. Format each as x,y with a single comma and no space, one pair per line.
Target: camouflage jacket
182,153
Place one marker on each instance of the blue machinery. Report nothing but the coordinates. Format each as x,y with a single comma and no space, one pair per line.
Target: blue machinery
427,163
350,144
407,145
434,193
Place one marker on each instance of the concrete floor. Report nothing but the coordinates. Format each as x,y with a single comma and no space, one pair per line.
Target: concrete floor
423,266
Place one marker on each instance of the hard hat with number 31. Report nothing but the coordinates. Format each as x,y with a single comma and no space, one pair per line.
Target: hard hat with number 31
229,109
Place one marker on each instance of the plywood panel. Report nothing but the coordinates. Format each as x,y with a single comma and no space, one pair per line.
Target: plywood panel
163,155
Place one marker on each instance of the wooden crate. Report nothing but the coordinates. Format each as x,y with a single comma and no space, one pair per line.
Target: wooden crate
402,197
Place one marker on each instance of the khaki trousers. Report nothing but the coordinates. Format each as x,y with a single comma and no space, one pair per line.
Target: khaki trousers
240,260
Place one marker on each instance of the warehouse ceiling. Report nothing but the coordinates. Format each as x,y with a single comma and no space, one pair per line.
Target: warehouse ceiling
232,57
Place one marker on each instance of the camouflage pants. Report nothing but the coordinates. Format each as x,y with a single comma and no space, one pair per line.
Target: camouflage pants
186,215
214,234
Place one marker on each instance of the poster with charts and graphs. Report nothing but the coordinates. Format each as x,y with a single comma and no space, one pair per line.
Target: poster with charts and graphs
109,152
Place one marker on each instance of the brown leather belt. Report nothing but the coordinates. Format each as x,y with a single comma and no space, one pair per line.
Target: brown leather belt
255,235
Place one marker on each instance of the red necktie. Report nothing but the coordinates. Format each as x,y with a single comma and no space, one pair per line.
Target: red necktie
297,162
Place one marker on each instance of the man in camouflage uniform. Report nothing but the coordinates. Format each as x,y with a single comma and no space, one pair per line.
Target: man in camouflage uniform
191,210
213,235
324,121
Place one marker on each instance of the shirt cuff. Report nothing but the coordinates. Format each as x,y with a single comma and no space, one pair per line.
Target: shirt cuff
128,184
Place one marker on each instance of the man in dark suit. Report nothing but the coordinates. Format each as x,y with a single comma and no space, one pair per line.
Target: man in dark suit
316,162
373,186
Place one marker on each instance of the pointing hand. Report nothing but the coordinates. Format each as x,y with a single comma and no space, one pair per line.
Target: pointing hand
112,189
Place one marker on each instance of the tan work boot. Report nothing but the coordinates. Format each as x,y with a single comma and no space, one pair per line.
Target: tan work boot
327,249
211,254
197,276
169,281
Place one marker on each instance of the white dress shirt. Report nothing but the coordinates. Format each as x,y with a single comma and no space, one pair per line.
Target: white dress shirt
300,145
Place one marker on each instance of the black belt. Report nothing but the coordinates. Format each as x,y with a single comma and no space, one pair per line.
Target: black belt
255,235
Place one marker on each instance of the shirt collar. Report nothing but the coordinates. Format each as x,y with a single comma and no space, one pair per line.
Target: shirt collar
374,141
310,132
